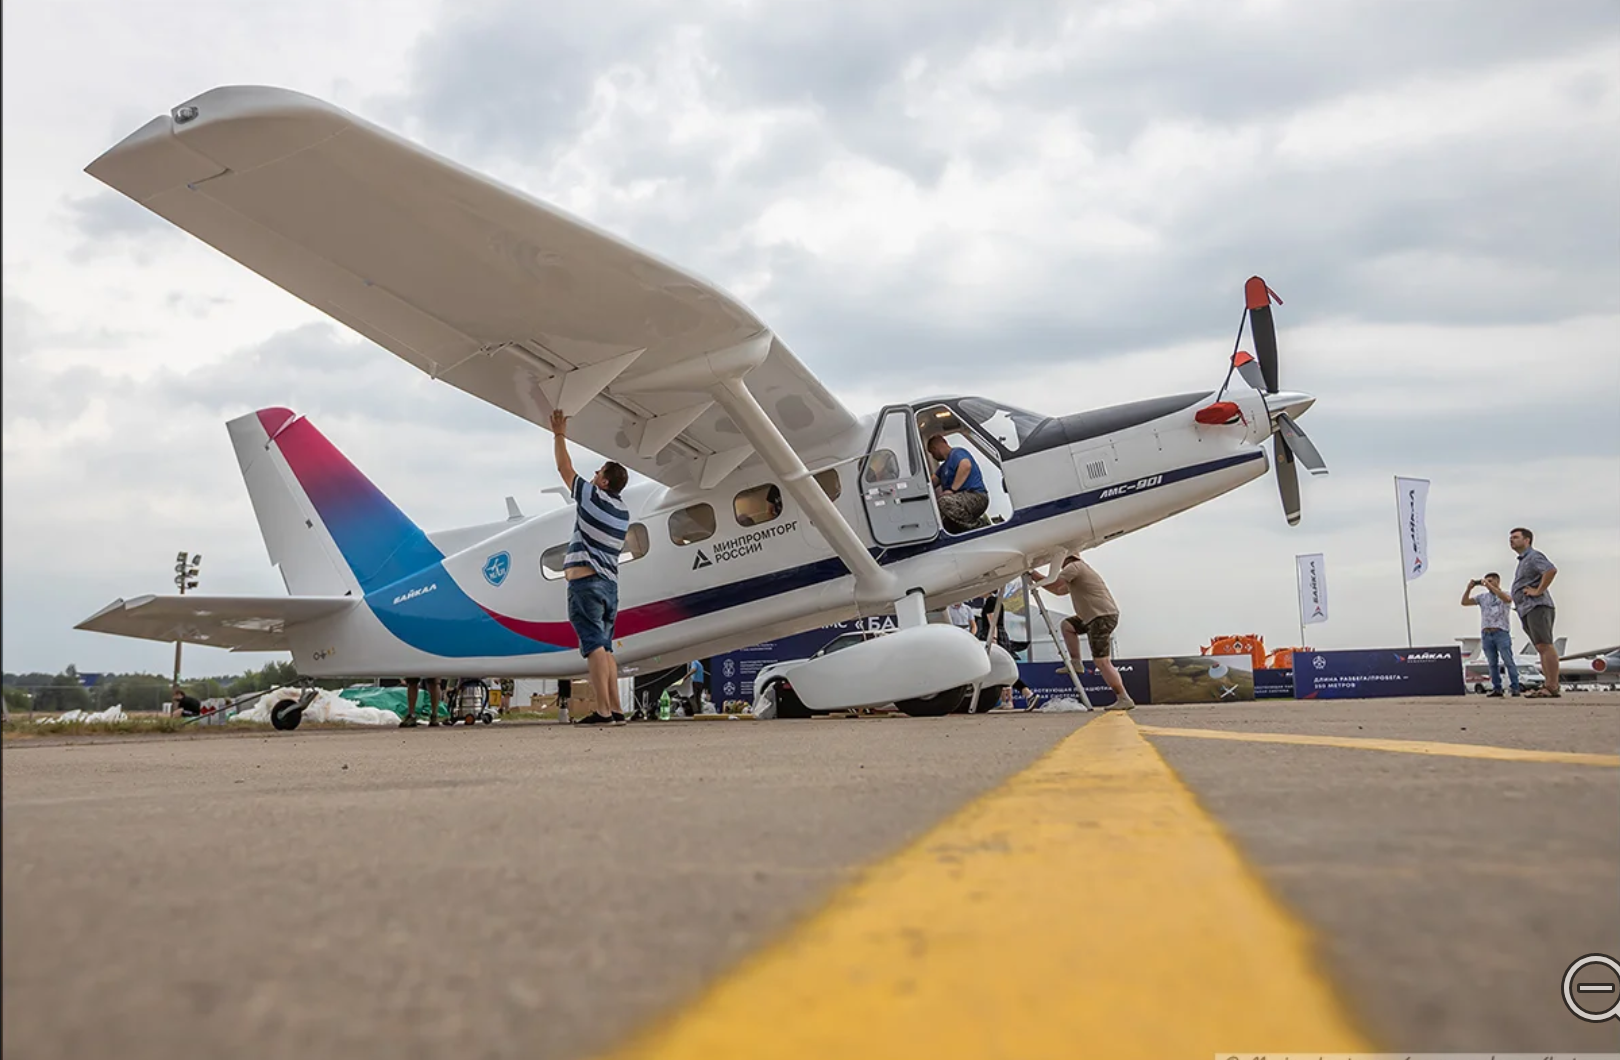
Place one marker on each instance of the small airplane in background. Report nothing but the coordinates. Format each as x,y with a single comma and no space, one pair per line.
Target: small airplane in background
772,509
1602,671
1601,666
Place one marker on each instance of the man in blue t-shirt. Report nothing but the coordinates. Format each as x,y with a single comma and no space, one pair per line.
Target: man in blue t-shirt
958,486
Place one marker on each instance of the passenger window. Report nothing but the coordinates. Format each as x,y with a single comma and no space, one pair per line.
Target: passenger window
635,543
688,526
551,562
829,483
758,505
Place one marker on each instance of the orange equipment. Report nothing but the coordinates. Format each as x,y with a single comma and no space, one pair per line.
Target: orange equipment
1251,644
1254,646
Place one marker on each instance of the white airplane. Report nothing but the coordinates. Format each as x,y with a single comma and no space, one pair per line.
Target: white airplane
1603,669
1601,666
771,508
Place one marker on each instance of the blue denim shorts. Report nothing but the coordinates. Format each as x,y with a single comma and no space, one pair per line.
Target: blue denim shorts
593,604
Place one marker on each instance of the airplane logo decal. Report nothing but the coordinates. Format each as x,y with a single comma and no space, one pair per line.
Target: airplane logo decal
497,567
700,561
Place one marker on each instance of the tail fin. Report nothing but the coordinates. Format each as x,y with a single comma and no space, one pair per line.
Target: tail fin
1558,645
1471,647
329,530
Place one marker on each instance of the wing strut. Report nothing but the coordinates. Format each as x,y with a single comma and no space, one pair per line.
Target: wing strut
720,375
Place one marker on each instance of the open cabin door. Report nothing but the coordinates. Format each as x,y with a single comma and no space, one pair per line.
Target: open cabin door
895,487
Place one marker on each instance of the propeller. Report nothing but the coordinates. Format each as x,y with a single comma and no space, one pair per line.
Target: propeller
1257,296
1290,445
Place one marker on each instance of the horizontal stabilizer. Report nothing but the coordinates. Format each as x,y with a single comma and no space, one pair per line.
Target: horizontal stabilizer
239,623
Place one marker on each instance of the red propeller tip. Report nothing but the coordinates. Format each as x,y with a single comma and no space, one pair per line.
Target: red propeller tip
1257,295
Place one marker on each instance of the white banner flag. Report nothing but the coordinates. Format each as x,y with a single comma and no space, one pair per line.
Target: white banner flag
1313,602
1412,503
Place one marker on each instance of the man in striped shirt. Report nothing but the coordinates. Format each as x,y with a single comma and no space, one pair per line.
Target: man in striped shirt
601,522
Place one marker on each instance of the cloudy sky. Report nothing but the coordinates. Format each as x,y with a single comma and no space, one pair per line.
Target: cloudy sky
1052,204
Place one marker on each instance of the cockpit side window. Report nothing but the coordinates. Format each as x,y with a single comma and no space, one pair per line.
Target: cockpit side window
1009,426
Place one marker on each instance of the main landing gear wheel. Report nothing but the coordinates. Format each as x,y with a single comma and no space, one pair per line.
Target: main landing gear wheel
989,699
779,701
935,706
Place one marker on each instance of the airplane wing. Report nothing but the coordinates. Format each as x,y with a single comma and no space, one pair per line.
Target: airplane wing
239,623
1590,654
478,285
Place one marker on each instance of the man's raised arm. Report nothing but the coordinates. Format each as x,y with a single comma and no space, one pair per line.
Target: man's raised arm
559,432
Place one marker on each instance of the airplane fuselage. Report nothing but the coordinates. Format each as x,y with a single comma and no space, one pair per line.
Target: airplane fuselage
494,609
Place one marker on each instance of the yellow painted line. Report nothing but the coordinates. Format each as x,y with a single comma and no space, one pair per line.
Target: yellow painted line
1412,747
1086,908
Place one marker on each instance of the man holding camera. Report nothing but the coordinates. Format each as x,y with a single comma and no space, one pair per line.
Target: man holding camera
1494,605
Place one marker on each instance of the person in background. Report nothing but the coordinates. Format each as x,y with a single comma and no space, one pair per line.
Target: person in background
1531,581
1494,604
413,685
1015,648
185,704
692,686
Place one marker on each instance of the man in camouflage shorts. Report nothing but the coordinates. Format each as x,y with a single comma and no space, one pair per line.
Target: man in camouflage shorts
1096,615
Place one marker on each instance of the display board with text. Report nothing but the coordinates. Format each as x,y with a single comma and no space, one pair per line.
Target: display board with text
1378,673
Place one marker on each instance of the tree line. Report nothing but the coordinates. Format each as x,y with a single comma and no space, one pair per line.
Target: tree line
54,693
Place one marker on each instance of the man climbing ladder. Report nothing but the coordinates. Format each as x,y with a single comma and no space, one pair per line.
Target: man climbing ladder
1095,614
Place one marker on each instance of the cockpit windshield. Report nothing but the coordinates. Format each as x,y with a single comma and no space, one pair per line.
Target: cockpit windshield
1009,426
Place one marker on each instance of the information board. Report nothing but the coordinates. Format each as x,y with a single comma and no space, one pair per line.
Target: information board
1378,672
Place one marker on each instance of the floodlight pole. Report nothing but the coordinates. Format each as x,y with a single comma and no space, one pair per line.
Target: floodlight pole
185,576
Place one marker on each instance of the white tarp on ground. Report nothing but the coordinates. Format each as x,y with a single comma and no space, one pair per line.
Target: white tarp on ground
327,706
1067,705
112,713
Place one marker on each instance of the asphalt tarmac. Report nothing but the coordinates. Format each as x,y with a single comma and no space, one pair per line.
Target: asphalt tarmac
542,891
